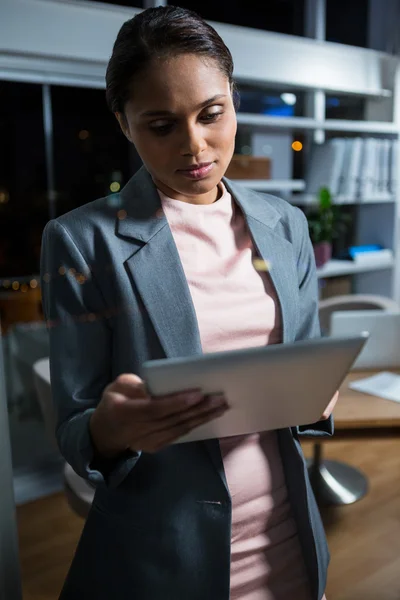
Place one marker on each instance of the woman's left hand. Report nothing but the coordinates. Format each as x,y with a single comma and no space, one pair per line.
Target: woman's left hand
328,411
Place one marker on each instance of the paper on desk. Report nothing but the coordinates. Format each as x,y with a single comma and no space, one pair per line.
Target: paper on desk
385,385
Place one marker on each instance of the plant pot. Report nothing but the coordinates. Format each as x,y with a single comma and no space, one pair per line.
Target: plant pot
322,252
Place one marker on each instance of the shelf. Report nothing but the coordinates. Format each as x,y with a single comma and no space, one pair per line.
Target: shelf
380,127
256,120
383,200
335,268
300,123
272,185
310,199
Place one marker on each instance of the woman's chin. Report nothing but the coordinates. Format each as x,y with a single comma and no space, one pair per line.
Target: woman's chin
196,186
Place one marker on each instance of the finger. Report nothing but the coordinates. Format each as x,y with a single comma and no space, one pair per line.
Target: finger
329,409
150,410
161,407
129,378
212,402
129,407
182,408
170,435
179,394
130,386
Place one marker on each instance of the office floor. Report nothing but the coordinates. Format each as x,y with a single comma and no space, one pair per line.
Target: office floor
364,538
29,442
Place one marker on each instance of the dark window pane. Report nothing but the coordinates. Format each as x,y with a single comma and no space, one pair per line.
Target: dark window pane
91,155
282,16
347,22
23,200
345,107
272,102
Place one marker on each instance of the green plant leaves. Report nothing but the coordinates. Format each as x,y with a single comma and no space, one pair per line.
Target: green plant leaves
326,222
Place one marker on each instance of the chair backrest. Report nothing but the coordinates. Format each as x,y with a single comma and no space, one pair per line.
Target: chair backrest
79,492
352,302
41,378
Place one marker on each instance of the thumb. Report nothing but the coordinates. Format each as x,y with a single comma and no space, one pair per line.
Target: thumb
129,382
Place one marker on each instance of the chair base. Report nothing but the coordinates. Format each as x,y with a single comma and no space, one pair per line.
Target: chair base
78,491
78,506
336,483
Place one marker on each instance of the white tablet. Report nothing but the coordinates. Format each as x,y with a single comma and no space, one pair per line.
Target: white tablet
268,387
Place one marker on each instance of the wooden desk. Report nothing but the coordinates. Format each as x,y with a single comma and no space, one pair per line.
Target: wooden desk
357,414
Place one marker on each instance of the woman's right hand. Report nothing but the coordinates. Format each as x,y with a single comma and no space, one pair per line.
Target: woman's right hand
127,417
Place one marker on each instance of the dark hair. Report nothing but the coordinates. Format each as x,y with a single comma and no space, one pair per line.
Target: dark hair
159,33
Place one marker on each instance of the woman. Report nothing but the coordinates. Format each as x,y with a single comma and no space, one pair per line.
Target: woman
169,272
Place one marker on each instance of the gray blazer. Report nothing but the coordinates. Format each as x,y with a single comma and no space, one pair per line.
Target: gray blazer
115,295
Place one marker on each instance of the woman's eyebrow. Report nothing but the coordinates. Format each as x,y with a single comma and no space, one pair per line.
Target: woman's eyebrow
163,113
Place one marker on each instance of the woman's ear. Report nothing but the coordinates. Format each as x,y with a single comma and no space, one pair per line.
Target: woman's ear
123,123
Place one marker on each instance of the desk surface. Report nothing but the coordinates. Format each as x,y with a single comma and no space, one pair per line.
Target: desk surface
356,410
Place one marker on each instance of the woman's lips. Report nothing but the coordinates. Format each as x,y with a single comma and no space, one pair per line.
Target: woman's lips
197,172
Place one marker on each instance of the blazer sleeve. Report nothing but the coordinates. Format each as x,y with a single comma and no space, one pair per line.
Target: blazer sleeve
309,326
80,353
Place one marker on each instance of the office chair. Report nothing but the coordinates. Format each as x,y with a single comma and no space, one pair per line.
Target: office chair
334,482
79,492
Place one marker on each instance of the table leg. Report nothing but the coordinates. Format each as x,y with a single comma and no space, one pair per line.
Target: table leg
335,483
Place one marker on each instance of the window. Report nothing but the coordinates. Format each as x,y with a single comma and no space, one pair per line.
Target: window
92,157
272,102
345,107
347,22
23,199
282,16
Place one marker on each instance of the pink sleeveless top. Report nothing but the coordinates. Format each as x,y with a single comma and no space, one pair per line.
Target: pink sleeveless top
236,307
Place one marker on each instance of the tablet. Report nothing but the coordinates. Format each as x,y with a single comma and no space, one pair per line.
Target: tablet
268,387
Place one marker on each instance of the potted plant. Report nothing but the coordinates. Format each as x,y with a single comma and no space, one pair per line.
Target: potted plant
325,223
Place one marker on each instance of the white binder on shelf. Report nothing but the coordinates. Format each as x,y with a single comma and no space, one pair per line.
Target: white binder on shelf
378,167
381,192
385,169
350,187
372,257
325,167
369,171
393,175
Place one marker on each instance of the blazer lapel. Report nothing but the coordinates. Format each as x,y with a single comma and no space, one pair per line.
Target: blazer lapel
262,219
156,271
278,253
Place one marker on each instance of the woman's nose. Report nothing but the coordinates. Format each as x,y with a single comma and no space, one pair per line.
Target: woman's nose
193,142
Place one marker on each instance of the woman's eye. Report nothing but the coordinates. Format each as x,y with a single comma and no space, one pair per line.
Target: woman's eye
212,116
161,129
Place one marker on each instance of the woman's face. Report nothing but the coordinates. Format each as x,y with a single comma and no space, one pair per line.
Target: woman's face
181,116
